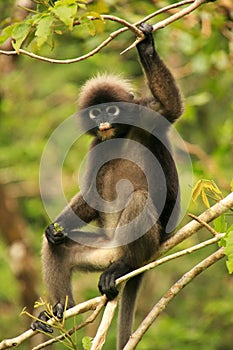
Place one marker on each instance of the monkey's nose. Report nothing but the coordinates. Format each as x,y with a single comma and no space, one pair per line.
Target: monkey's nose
104,126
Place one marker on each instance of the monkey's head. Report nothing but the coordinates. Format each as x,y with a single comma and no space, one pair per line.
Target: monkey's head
99,99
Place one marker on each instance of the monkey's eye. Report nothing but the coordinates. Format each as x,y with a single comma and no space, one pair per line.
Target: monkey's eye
94,113
113,111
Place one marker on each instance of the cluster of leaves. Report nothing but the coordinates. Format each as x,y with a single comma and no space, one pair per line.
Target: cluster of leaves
50,18
208,188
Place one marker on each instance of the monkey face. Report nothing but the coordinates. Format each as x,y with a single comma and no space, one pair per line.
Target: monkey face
105,119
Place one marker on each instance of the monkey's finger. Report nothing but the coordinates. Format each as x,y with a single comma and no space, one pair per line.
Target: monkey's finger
37,325
54,237
58,310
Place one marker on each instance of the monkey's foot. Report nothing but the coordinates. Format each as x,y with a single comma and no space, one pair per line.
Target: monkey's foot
107,280
41,323
55,236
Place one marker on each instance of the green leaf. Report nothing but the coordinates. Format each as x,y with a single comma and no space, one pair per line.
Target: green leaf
232,185
7,33
197,190
220,224
19,34
82,5
229,251
66,11
44,30
87,343
230,228
205,199
229,264
88,25
205,187
58,228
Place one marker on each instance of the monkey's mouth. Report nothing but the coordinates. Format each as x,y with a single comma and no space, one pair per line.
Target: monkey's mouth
105,131
105,126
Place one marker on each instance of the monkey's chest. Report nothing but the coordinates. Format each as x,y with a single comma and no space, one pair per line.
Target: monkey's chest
118,178
116,181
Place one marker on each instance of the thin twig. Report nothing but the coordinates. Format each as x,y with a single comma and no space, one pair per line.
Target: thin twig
203,223
90,319
173,18
169,296
170,257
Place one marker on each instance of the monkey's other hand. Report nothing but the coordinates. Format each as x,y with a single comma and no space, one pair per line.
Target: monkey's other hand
148,42
55,236
146,28
41,325
107,280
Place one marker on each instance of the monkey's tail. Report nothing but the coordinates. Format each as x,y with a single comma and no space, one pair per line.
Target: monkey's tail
127,310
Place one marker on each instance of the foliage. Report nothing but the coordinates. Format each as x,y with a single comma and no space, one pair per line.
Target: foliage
48,19
205,188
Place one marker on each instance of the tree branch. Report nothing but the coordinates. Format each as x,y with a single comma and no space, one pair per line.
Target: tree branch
167,21
193,226
128,26
169,296
101,334
170,257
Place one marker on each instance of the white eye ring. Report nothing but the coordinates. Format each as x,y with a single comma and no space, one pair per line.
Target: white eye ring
113,110
94,113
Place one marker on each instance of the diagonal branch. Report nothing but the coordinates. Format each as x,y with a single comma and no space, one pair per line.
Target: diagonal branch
193,226
170,257
101,334
169,296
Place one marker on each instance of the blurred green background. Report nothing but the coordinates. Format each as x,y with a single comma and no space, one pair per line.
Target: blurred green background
35,97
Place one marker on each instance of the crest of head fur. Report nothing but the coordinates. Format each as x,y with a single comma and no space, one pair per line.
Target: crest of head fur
104,88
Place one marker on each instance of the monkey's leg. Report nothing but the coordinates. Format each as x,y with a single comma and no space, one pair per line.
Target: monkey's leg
57,271
57,277
135,254
138,235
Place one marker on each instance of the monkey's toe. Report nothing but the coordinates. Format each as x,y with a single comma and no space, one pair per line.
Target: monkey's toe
107,285
41,324
58,310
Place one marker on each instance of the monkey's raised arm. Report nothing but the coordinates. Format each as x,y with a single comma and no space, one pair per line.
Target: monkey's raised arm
160,79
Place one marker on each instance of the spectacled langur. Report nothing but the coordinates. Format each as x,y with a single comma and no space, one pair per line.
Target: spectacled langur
62,251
